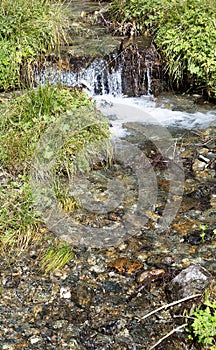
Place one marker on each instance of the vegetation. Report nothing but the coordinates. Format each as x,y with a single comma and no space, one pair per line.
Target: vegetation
24,119
185,34
18,222
56,256
28,31
203,326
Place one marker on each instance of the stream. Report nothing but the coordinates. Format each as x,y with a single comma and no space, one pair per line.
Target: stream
152,209
167,142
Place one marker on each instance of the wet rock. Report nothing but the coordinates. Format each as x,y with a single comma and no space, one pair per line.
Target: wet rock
103,342
73,345
58,324
149,276
35,340
65,293
161,260
112,286
203,151
192,280
142,256
213,200
82,295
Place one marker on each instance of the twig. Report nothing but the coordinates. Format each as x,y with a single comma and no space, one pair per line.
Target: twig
167,335
184,316
168,305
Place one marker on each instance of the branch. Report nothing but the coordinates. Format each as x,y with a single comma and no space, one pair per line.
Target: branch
167,335
168,305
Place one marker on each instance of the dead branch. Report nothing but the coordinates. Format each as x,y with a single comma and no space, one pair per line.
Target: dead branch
169,305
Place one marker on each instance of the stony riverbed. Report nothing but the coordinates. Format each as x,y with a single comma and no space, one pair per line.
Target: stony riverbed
98,299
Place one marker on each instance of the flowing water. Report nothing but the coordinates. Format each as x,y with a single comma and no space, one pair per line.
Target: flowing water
105,84
157,126
149,135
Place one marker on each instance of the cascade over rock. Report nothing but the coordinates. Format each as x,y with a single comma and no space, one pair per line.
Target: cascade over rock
133,71
104,63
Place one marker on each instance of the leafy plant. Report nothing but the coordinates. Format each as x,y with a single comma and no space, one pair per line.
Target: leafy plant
186,34
203,231
203,327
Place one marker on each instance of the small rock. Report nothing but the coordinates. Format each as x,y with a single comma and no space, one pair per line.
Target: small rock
203,151
8,347
58,324
82,295
73,345
150,275
142,256
192,280
35,340
92,260
213,200
98,268
198,165
122,246
65,293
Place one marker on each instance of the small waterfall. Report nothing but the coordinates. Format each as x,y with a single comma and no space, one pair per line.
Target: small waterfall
98,78
132,72
101,79
149,80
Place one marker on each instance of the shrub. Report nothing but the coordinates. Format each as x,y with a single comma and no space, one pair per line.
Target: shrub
185,34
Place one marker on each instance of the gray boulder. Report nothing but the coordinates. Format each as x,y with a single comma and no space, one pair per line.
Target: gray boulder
192,280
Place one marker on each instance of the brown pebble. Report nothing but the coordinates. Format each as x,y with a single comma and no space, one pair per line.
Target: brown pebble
125,265
150,275
114,217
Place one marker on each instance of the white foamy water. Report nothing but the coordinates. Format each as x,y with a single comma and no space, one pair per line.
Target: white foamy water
145,110
105,85
97,78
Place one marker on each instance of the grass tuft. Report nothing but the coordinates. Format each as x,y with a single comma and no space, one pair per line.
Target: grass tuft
56,256
28,31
